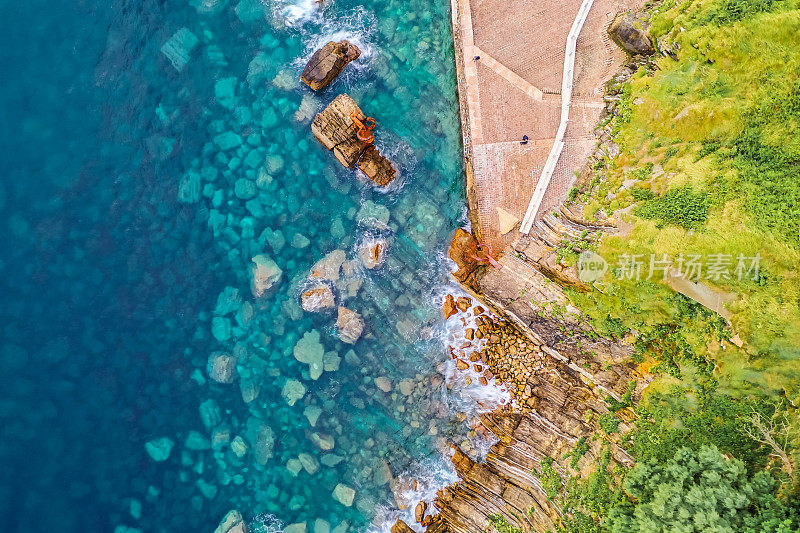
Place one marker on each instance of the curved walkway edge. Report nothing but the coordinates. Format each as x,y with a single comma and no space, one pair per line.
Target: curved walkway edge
566,100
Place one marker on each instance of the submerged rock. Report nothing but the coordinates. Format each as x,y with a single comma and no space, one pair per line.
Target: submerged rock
309,350
344,494
321,526
327,63
309,462
329,267
262,439
383,384
178,48
239,446
225,92
331,459
210,413
196,441
374,215
293,391
350,325
232,523
312,413
323,441
264,273
222,367
632,34
159,449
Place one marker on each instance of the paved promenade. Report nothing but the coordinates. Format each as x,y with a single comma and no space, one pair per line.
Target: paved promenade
514,89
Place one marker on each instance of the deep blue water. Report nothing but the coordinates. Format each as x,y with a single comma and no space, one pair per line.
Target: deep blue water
123,221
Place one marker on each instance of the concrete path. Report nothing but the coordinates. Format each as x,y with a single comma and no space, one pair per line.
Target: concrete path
515,89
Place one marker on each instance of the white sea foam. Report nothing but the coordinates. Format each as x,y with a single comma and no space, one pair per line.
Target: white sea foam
295,13
356,26
434,473
420,483
266,523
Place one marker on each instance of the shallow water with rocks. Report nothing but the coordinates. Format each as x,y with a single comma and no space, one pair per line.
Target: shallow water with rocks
164,208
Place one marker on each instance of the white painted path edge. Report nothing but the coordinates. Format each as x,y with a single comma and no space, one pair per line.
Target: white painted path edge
566,100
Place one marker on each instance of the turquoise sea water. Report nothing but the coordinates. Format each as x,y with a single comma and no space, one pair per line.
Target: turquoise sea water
136,188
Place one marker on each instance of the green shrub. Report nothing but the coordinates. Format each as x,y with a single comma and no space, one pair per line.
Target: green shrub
734,10
501,525
580,449
549,477
642,195
700,490
680,207
609,423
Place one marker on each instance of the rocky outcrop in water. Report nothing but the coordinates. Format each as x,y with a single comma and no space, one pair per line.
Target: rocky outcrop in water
632,34
335,128
328,62
462,248
376,167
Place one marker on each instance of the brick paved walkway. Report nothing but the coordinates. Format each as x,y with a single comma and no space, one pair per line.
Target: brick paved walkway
514,90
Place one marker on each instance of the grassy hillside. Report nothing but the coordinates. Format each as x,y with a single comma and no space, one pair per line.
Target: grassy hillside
710,166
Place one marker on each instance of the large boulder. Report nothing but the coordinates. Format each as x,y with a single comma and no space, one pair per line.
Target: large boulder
222,367
344,494
462,250
632,34
329,267
293,390
335,129
328,62
376,167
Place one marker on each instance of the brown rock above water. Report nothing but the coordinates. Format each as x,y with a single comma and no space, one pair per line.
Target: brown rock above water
327,62
462,248
376,167
334,128
449,308
419,511
372,253
401,527
631,33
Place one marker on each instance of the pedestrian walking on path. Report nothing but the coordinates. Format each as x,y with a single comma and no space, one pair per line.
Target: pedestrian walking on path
524,140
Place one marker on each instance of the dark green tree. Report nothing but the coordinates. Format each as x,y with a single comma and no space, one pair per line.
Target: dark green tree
700,491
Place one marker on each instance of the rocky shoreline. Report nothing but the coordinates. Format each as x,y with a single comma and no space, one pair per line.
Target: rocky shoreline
559,376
